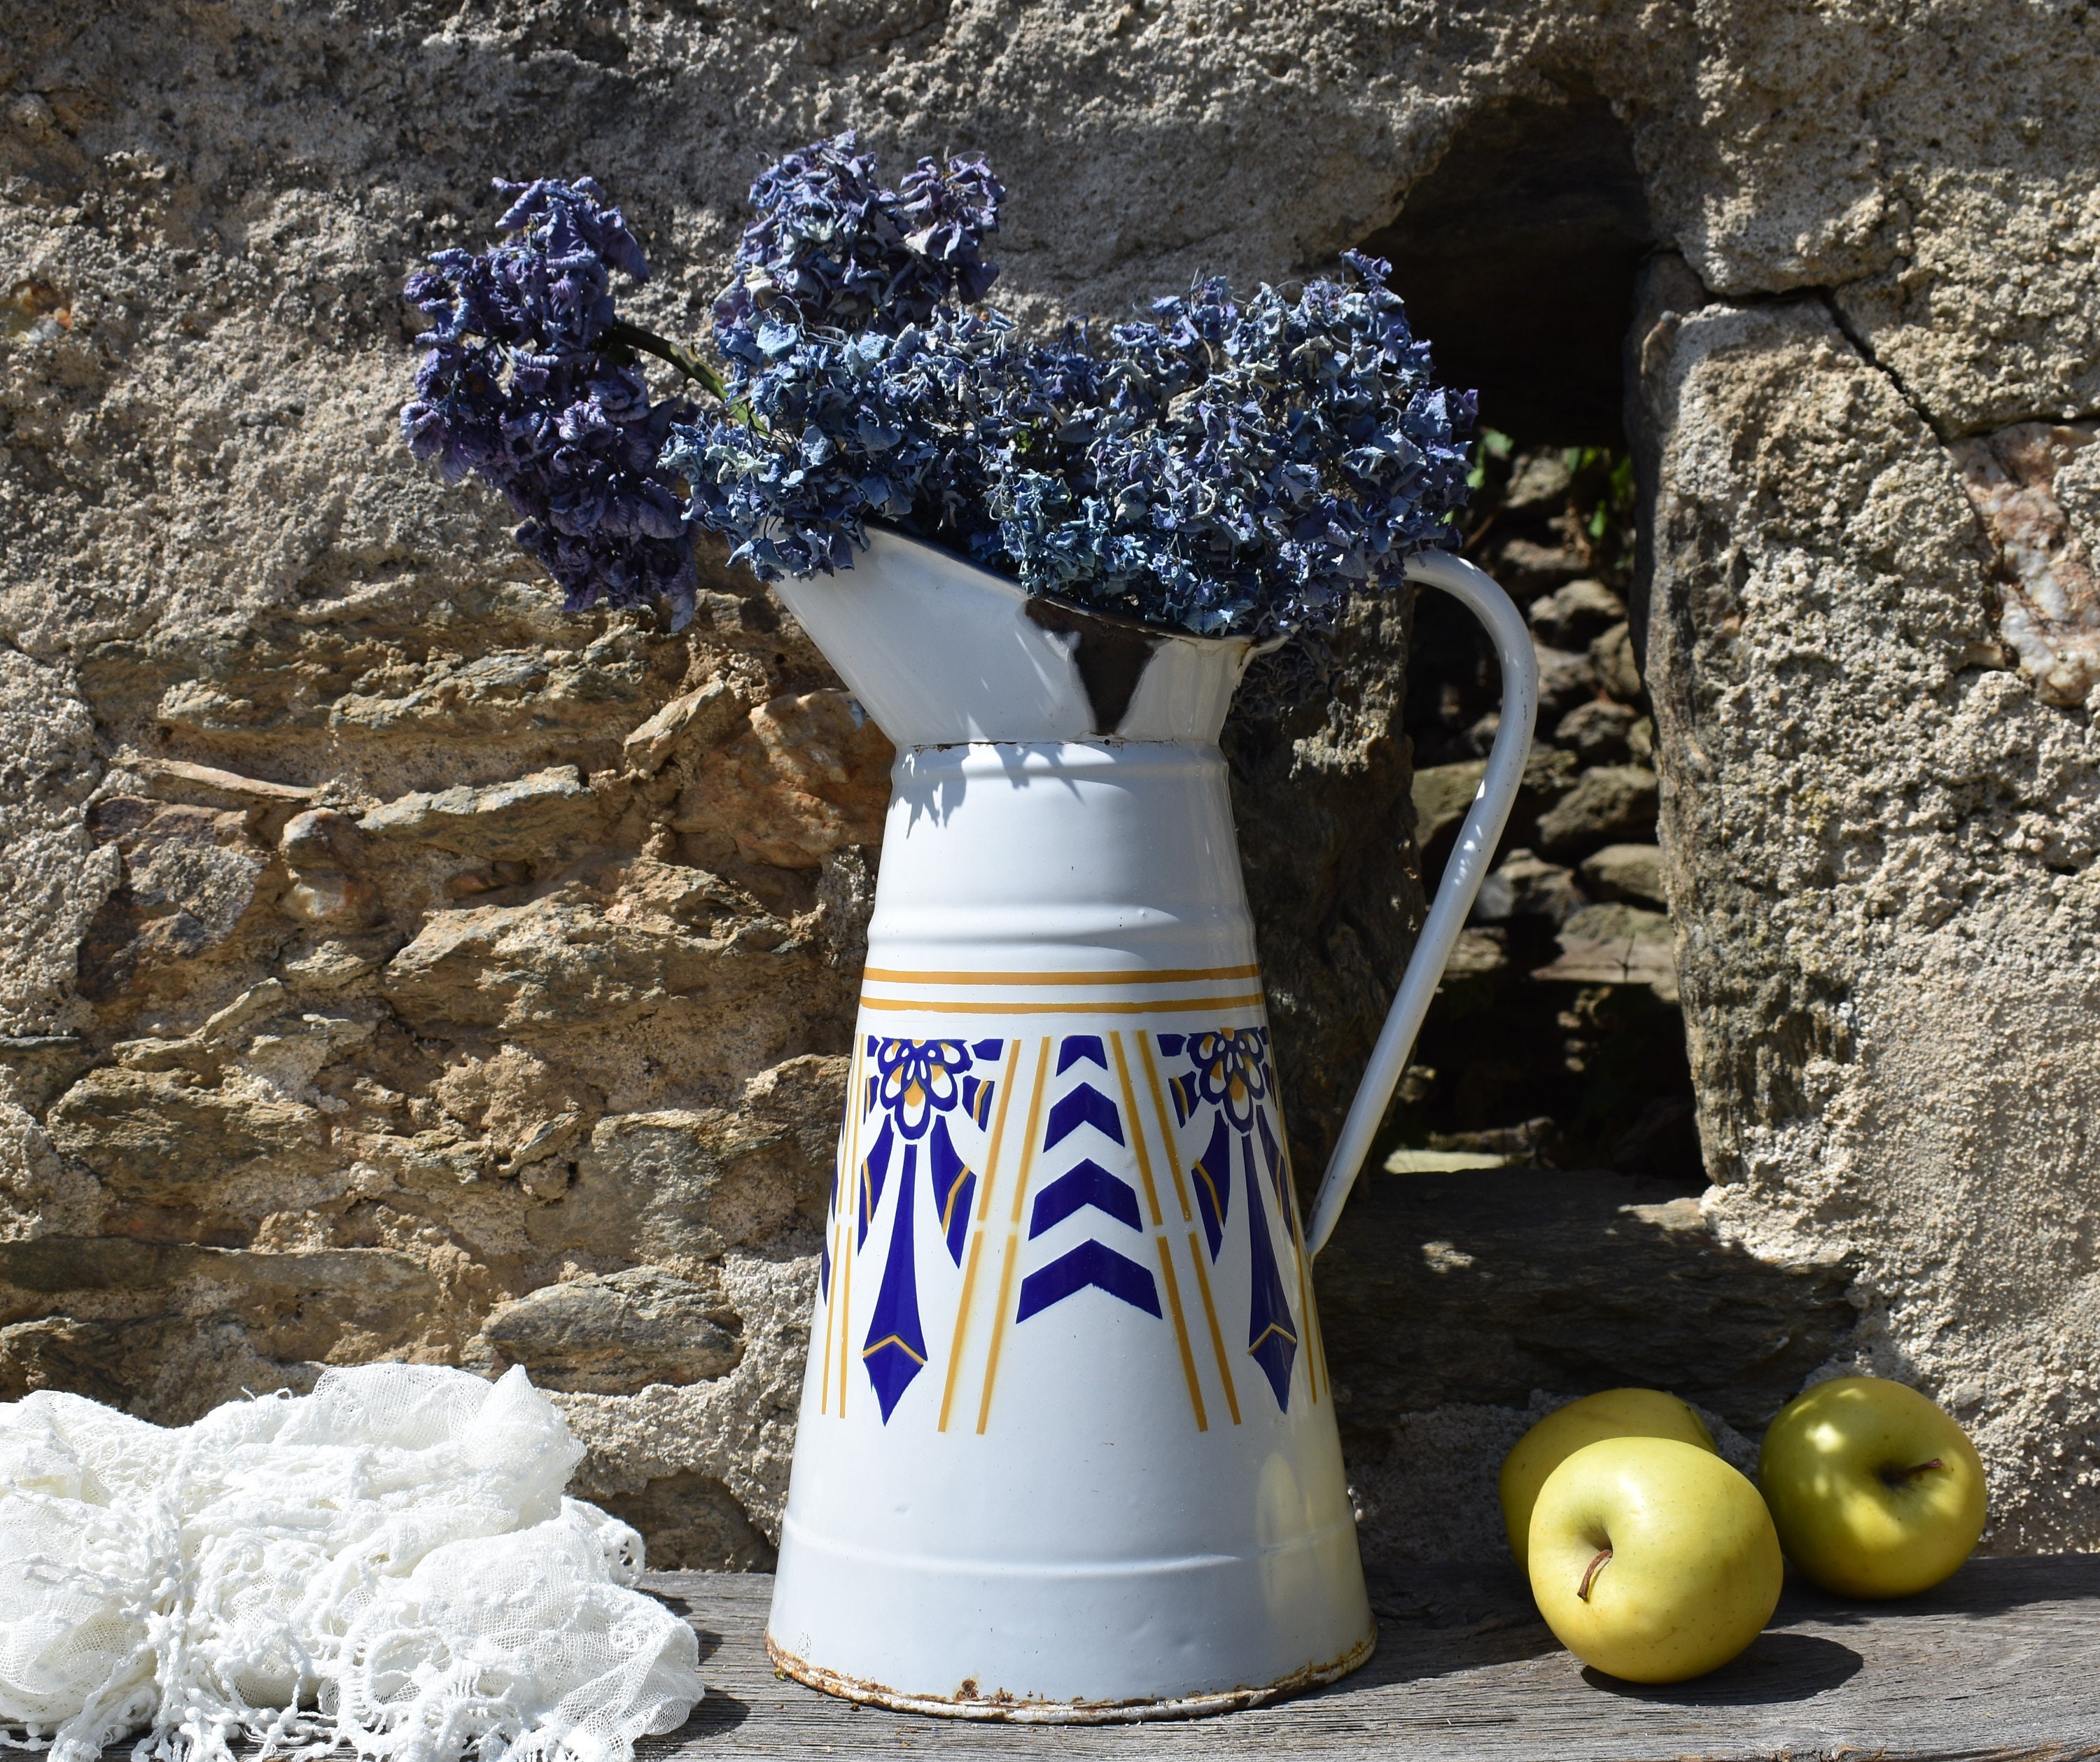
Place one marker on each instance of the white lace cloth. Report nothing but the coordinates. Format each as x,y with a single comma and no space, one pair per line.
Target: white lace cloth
386,1567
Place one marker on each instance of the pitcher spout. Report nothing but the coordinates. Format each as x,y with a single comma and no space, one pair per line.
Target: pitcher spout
941,652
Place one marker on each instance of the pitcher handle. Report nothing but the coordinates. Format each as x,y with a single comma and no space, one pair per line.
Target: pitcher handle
1476,590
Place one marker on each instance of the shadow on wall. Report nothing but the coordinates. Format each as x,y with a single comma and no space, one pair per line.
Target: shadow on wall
1458,1310
1483,1286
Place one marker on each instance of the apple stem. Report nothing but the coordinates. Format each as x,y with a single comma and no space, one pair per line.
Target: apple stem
1589,1577
1905,1474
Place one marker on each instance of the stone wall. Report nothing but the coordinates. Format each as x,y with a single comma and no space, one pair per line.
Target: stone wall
1882,836
392,966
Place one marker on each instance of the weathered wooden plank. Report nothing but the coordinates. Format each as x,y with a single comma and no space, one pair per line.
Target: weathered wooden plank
2001,1662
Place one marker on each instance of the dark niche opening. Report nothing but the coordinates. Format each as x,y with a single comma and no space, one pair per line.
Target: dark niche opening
1516,257
1556,1038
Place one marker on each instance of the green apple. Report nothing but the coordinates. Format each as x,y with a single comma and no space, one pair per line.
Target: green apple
1653,1559
1876,1491
1614,1413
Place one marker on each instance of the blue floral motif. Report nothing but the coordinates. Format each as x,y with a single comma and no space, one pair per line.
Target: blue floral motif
1229,1078
916,1089
915,1079
1231,1073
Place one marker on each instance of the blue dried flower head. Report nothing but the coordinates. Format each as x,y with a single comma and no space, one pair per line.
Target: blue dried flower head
523,386
1227,467
833,432
1233,467
832,249
849,365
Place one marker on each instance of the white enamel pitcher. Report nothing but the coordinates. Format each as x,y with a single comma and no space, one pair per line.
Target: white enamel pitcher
1067,1447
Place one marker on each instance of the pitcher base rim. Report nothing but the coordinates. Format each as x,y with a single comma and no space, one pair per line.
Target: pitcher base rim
1011,1710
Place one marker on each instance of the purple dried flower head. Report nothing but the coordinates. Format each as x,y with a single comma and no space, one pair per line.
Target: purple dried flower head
831,248
570,221
945,216
521,386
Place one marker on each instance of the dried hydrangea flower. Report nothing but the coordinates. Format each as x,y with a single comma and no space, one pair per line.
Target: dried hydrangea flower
529,381
847,364
1233,468
832,249
1223,466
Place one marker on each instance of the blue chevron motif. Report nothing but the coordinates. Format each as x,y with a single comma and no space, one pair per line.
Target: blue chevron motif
1083,1105
1075,1047
1223,1078
1085,1183
1088,1187
1089,1264
924,1093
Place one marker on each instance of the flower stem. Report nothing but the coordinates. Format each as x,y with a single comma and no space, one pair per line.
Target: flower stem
685,360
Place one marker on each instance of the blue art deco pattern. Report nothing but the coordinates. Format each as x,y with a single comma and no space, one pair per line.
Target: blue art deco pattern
1084,1115
916,1089
1229,1080
922,1103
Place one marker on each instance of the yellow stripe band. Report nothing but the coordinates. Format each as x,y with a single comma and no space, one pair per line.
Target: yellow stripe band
1135,976
1136,1129
1166,1127
1089,1006
1210,1315
1013,1234
1181,1333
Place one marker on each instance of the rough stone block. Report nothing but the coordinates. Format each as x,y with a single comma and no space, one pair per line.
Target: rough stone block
1615,945
1569,616
1881,843
1612,804
1630,871
1522,886
523,818
1598,732
615,1334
